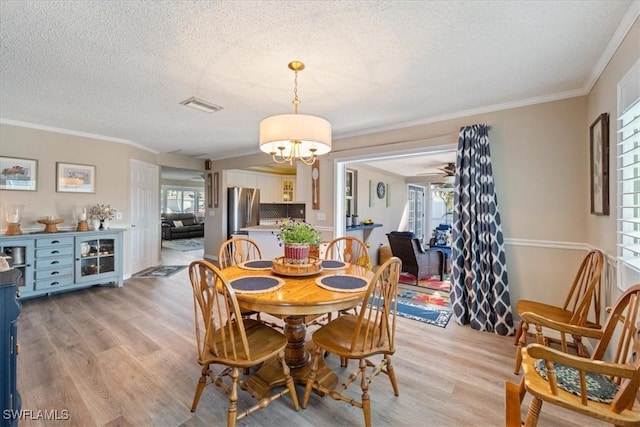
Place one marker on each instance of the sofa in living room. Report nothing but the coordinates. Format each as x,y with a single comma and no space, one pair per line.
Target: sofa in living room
181,226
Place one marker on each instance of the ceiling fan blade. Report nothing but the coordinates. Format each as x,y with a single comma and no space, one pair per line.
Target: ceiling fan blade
431,173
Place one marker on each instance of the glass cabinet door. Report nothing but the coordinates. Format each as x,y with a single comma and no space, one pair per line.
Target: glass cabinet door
96,257
20,252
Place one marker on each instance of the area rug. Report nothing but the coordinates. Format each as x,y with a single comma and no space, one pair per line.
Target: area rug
184,244
162,271
424,305
423,313
432,282
421,295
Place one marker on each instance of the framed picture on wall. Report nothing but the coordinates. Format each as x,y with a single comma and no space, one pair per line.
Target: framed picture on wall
74,178
18,174
599,150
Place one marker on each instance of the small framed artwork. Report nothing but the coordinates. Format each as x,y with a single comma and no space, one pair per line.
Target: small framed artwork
209,190
18,174
216,189
599,149
74,178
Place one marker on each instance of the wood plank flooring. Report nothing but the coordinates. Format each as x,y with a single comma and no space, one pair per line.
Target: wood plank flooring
127,357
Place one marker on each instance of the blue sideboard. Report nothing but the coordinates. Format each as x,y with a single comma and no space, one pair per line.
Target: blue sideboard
63,261
9,311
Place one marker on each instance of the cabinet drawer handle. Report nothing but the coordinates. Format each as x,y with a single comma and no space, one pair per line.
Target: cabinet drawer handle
55,262
53,242
55,252
54,283
53,273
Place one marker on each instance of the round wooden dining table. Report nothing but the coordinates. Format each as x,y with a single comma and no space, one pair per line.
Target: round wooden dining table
299,298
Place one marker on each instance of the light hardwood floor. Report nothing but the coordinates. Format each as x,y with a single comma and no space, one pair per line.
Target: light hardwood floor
127,357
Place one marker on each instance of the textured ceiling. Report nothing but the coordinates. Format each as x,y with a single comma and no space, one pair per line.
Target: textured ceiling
119,69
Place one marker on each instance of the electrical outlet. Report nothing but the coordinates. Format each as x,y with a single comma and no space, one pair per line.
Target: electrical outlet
118,215
212,213
321,216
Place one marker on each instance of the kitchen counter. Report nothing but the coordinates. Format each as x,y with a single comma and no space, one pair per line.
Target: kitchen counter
261,228
266,236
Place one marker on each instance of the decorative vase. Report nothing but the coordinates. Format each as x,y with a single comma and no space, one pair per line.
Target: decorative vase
101,227
296,253
96,224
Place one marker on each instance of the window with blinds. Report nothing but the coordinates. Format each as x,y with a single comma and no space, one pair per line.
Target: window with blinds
629,171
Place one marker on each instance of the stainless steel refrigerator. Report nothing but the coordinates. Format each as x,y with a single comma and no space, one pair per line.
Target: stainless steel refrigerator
243,209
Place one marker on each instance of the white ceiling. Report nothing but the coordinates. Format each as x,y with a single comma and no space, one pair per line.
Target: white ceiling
119,69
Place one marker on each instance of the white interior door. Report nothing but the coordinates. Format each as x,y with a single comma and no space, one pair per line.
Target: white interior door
145,216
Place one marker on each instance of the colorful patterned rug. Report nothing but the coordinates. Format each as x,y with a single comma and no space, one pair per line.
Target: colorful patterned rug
428,296
425,305
432,282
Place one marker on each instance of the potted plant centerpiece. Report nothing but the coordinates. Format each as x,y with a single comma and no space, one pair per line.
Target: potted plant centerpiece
297,236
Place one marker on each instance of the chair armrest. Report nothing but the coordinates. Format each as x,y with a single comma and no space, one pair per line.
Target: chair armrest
166,224
535,319
539,351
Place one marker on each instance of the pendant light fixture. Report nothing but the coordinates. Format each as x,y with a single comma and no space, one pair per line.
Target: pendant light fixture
290,137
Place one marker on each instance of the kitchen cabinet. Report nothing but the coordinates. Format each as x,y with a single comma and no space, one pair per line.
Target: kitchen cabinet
273,188
9,311
52,262
22,252
288,189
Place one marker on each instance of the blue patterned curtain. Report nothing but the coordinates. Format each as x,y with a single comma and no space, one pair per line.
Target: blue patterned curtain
480,291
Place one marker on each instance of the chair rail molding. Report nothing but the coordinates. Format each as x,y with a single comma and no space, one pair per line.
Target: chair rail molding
554,244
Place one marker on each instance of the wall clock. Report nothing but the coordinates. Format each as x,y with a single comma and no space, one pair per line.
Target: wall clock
381,190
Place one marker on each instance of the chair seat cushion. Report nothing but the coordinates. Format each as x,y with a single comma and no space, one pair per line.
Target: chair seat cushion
599,387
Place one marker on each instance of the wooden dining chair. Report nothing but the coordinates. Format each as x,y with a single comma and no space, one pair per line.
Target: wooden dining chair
349,249
225,338
603,386
236,251
585,292
370,333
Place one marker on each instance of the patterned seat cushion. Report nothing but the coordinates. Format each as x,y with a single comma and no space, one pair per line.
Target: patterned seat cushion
599,387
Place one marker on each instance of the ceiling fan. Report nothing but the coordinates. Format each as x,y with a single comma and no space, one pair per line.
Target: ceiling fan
448,171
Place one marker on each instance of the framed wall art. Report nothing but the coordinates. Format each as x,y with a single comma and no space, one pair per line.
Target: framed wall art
599,149
74,178
18,174
216,189
209,185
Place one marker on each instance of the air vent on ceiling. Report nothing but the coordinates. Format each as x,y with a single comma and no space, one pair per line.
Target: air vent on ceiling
202,105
